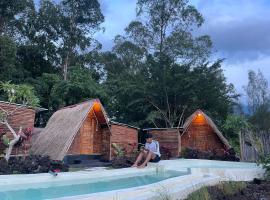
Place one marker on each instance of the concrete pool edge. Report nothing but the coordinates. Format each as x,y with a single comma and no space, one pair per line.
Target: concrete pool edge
178,187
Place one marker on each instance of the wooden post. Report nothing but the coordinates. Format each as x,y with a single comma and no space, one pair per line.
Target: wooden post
179,145
241,146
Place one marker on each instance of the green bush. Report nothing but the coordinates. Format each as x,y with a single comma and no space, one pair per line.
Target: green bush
220,191
265,162
201,194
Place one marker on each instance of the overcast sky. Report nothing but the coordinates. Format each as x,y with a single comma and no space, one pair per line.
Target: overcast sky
240,31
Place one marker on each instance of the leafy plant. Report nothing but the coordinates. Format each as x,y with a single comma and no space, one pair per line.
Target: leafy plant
23,94
118,150
232,127
5,140
222,191
265,162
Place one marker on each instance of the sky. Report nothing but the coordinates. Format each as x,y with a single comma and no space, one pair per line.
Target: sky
239,29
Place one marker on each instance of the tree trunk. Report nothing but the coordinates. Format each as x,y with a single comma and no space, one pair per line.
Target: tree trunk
10,147
13,142
65,67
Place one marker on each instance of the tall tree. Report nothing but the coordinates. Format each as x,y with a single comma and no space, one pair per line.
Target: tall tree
63,32
13,15
166,28
7,58
257,90
80,20
157,74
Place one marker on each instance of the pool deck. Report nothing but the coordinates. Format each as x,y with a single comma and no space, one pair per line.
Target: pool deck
202,173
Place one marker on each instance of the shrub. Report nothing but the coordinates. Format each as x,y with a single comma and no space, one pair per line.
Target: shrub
265,162
125,157
221,191
30,165
190,153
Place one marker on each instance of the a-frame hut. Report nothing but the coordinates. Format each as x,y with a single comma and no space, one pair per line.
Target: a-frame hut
198,132
82,130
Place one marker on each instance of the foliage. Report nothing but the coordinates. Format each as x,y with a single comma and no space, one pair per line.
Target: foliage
22,94
257,90
13,14
125,156
81,85
201,194
165,99
156,74
5,140
7,58
217,154
74,22
222,191
261,117
118,150
29,165
232,127
265,162
167,28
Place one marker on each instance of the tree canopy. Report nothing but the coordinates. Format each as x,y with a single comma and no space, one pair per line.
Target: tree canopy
157,73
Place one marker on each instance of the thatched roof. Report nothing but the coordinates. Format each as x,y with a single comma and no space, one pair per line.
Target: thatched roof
57,137
209,121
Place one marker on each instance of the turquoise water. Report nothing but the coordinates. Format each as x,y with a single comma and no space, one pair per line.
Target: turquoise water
56,190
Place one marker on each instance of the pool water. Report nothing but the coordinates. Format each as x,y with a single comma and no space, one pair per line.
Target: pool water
56,190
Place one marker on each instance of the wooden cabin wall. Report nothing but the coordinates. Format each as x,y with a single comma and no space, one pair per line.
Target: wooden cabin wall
169,139
125,137
201,136
106,144
89,138
22,117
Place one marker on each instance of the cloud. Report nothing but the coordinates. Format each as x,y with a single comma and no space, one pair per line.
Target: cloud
239,29
118,14
237,73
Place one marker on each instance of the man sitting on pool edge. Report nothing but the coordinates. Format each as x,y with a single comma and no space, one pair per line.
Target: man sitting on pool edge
150,152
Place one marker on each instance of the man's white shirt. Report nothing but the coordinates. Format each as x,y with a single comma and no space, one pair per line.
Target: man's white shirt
153,147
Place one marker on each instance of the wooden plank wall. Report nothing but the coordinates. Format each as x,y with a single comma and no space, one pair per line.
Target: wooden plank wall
169,139
89,138
202,137
248,152
22,117
106,144
125,137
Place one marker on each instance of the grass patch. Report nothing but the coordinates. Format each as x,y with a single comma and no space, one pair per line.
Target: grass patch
231,188
223,189
201,194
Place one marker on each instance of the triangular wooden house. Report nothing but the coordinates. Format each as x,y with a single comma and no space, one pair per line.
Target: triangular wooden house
83,130
198,132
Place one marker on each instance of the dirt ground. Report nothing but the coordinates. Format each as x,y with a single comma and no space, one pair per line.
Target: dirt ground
256,190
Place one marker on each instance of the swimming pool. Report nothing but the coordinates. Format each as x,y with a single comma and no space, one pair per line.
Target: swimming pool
179,177
50,190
